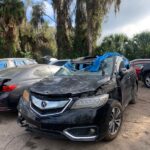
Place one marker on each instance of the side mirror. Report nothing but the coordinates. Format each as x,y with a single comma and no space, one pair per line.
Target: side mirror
123,71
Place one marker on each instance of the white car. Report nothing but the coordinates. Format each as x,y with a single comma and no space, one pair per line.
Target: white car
15,62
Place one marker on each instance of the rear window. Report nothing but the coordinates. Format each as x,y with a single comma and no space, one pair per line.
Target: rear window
3,64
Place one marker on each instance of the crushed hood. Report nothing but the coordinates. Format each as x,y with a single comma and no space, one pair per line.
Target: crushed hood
68,85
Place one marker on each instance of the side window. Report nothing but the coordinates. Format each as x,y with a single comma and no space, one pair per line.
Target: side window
19,62
3,64
138,66
122,65
59,63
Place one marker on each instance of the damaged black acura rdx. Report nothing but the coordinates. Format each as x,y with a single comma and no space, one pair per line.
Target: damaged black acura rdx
84,101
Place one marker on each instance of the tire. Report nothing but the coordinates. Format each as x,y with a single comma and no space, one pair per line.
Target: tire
147,80
134,94
112,133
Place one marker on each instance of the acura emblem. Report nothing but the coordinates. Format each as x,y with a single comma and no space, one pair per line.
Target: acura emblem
43,104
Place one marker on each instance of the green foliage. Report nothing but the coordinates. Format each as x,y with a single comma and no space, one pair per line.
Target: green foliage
137,47
11,16
20,38
38,42
114,42
142,45
89,18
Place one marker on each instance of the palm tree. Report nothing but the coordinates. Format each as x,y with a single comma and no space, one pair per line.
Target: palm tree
89,18
115,42
64,27
80,40
38,15
95,19
11,16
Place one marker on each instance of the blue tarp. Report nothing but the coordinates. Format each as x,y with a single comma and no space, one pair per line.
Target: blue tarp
95,66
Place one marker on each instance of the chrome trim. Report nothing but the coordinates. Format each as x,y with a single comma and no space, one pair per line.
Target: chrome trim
78,138
48,104
51,114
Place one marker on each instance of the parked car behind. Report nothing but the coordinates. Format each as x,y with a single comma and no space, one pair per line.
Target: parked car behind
59,62
138,64
13,81
15,62
145,75
84,101
46,59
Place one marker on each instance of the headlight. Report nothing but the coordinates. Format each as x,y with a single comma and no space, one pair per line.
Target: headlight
91,102
26,96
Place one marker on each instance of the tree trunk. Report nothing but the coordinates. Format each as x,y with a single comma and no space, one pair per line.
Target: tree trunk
64,28
81,35
95,14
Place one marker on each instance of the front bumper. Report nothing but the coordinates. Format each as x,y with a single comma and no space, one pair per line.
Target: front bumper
77,125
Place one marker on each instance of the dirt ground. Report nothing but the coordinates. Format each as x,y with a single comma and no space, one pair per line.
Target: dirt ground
134,135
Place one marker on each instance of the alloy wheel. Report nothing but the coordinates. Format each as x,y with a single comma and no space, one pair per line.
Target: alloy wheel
115,121
147,80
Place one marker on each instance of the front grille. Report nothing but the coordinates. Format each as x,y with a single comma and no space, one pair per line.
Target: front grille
58,97
52,105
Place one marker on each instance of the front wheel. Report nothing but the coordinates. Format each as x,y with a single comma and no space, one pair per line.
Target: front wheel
115,117
147,80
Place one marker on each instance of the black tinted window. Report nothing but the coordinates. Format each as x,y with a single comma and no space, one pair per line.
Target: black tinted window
60,63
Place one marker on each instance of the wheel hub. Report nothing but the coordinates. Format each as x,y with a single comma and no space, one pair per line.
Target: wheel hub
115,121
148,80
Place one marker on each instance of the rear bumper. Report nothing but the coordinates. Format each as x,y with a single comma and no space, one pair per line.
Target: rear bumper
76,125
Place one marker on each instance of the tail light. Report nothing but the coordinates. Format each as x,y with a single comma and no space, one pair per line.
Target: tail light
8,88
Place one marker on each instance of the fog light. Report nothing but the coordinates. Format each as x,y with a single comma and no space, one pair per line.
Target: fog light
92,131
82,133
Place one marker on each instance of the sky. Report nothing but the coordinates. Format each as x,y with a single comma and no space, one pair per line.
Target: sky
133,18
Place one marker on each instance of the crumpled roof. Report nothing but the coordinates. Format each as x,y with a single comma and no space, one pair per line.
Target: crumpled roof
96,63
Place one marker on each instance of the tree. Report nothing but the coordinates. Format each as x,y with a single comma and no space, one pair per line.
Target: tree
80,40
11,16
141,44
96,10
64,27
37,43
37,15
113,43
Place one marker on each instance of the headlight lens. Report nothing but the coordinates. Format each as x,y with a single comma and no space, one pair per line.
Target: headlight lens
26,96
91,102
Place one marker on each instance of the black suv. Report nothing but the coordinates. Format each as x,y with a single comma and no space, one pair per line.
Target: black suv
80,103
145,75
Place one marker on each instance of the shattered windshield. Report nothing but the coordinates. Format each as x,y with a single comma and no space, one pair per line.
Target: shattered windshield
106,68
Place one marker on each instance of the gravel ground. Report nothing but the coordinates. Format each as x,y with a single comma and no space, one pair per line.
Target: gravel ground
134,135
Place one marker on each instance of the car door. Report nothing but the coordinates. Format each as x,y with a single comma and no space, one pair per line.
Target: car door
125,84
